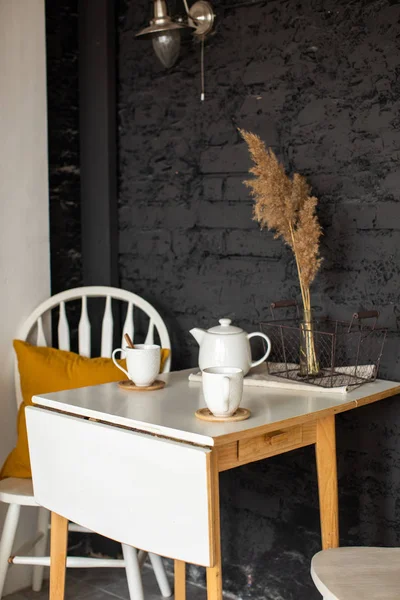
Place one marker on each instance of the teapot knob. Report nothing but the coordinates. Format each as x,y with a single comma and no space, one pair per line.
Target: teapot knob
225,322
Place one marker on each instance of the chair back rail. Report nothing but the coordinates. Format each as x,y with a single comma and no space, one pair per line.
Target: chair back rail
84,330
36,320
107,330
129,325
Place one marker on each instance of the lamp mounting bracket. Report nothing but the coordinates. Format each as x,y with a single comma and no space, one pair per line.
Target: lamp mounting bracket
201,18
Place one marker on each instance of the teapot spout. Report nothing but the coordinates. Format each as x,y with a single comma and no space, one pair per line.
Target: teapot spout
198,334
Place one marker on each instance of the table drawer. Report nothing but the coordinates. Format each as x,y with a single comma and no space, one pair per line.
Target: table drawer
276,442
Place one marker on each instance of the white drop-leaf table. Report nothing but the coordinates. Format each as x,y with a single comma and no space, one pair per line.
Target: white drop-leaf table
140,468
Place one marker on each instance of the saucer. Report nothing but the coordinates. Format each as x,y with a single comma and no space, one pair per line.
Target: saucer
127,384
206,415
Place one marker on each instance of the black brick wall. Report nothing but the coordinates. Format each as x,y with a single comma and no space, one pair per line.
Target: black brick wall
319,81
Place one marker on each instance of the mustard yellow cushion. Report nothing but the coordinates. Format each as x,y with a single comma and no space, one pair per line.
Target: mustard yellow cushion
43,370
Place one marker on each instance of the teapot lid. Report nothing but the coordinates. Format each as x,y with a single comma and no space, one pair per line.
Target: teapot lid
225,327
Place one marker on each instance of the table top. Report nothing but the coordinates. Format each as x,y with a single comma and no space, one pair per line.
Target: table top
170,412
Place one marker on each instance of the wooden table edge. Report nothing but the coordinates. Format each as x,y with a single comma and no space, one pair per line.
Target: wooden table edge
222,440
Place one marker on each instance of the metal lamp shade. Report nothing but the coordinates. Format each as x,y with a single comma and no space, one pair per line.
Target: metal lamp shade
164,33
159,26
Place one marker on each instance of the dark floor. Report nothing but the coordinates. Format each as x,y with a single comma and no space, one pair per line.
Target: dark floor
104,584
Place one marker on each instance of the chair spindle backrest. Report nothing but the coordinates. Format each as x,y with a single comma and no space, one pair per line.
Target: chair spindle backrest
36,320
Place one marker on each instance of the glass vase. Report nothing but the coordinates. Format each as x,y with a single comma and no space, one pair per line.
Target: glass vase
309,365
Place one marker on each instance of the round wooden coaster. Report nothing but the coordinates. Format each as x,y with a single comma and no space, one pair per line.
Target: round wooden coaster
129,385
206,415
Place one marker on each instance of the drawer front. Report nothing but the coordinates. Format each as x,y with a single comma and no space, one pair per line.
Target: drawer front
276,442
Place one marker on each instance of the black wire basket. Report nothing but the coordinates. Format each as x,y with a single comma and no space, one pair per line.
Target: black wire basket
347,353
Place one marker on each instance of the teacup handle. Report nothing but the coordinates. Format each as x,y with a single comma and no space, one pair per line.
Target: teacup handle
115,362
226,390
258,362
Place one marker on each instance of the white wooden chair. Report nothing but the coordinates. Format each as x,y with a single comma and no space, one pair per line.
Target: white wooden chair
19,492
357,573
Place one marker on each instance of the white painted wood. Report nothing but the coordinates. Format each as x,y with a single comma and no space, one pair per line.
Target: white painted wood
147,492
135,585
357,573
107,330
63,329
17,491
97,292
74,562
7,541
84,330
150,333
36,319
129,326
78,528
41,338
171,411
142,555
161,576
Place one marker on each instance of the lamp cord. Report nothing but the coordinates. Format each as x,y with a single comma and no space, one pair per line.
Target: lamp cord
202,69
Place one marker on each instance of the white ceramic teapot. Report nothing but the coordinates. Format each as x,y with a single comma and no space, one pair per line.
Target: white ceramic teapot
227,346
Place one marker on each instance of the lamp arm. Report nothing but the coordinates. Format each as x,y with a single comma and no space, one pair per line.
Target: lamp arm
192,21
186,6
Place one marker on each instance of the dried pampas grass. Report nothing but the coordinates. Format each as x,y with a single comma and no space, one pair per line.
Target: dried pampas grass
285,206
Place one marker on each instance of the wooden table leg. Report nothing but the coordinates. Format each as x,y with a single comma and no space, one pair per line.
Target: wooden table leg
327,482
214,573
180,580
58,556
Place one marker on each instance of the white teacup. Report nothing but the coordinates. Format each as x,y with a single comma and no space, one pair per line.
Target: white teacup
222,389
142,361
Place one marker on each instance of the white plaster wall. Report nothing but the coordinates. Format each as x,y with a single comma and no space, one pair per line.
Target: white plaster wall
24,206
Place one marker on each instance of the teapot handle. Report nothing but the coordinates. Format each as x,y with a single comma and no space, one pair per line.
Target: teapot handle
258,362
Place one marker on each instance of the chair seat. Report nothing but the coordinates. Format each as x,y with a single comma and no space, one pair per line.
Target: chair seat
17,491
357,573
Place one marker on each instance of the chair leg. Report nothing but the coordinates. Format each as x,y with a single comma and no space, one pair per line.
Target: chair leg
41,547
7,541
142,555
133,575
161,576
